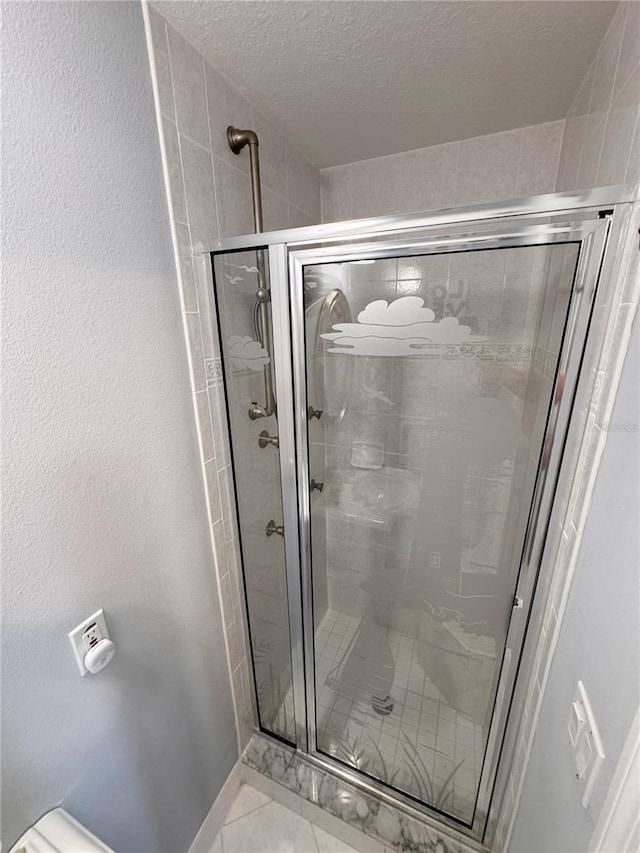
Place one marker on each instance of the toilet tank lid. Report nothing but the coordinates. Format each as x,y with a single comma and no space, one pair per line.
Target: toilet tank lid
59,832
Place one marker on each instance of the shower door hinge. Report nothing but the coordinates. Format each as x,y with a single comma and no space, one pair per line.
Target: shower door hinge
518,602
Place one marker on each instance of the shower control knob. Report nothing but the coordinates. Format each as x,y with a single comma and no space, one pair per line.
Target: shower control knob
257,411
314,413
272,528
264,439
318,486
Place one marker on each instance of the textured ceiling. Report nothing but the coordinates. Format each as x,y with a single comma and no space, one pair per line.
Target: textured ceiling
351,79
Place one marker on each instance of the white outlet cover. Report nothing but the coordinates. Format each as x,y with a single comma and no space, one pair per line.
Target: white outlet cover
77,641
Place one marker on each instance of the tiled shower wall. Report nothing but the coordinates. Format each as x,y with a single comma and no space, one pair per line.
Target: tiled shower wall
209,191
483,169
601,147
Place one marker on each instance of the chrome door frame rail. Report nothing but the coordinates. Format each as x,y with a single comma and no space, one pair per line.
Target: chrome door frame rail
280,317
532,206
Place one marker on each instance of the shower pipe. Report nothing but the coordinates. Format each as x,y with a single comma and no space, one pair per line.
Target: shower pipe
237,140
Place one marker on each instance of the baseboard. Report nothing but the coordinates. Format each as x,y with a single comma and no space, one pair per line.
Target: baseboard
211,825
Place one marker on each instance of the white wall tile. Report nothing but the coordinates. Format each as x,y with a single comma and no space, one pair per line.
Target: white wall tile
336,193
629,57
591,150
196,358
374,186
632,175
607,64
187,75
234,200
199,191
273,169
226,107
275,210
571,152
299,219
303,183
207,447
161,64
206,308
213,491
488,168
617,149
220,546
177,202
599,141
185,269
539,157
428,177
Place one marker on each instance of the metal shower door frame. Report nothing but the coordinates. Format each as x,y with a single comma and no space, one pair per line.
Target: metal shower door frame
289,251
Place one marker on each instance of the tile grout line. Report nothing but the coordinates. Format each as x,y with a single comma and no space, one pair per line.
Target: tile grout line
251,811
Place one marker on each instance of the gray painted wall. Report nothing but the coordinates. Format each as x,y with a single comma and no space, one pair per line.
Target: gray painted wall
599,643
102,486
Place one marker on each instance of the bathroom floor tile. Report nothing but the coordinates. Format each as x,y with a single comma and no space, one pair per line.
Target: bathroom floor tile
247,800
257,824
329,843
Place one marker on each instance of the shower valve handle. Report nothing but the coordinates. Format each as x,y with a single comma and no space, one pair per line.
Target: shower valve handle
257,411
318,486
272,528
314,413
264,439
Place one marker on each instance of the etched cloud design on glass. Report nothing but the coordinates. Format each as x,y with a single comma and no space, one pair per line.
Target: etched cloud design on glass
402,327
245,353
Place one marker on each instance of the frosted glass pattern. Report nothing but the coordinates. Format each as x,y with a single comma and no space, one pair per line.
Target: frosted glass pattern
401,327
435,393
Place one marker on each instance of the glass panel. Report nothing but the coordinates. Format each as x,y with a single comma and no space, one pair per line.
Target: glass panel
434,375
258,489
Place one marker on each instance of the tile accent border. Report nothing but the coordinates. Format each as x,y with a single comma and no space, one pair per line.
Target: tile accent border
213,370
392,828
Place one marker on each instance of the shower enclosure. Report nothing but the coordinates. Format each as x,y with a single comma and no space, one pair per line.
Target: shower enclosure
393,509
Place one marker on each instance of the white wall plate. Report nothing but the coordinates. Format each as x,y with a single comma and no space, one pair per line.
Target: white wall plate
77,638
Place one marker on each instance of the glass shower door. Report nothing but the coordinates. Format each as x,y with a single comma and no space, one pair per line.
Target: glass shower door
429,381
394,497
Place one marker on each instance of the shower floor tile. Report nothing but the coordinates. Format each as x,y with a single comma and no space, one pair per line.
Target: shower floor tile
424,746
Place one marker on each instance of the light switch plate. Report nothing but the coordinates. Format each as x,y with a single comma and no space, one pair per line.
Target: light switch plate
77,636
586,744
577,722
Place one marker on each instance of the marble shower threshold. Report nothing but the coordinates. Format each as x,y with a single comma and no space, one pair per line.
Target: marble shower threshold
355,816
